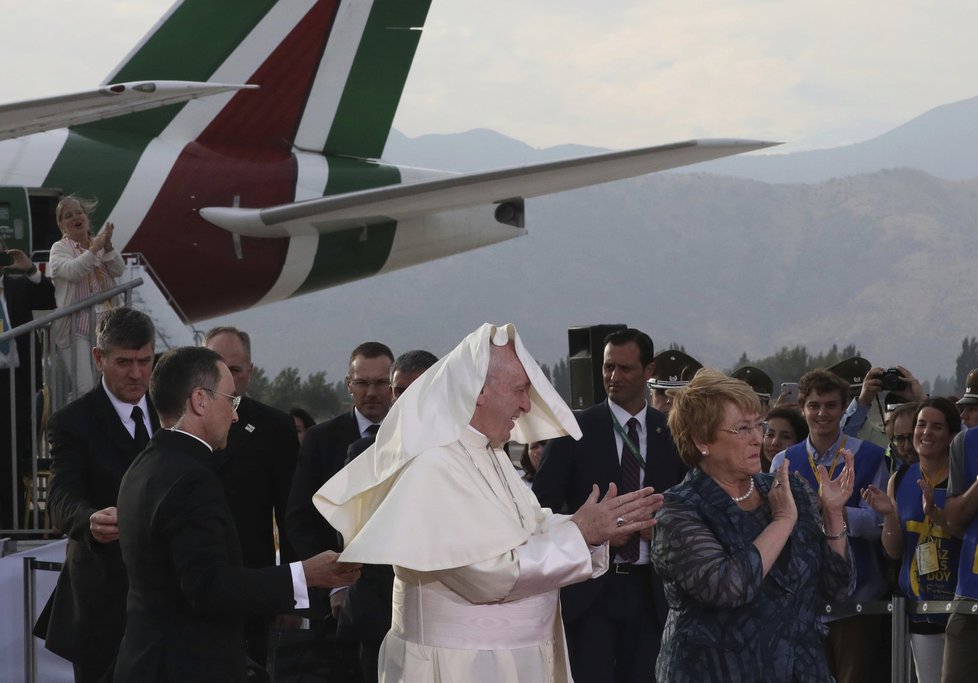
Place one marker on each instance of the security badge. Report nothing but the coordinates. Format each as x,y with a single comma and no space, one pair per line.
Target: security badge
926,556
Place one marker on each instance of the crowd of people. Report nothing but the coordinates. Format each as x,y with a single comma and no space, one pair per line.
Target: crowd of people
461,523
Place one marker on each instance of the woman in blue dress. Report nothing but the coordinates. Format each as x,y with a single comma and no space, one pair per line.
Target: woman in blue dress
746,558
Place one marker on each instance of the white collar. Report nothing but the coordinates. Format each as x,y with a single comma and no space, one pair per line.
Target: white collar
362,422
623,415
123,409
174,429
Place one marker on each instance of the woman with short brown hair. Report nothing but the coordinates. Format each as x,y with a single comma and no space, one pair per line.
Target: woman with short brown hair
745,557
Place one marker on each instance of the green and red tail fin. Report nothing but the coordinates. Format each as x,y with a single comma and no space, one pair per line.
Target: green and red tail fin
331,72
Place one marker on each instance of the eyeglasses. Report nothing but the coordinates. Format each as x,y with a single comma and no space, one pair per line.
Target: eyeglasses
746,430
367,383
235,400
900,439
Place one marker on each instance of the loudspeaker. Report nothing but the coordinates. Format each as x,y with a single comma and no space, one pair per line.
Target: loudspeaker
585,357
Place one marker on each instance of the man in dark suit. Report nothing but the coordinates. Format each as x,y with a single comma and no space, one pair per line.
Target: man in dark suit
256,469
23,289
93,441
188,591
614,623
323,451
365,617
322,454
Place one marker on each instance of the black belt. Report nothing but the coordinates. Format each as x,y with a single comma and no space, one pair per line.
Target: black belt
626,568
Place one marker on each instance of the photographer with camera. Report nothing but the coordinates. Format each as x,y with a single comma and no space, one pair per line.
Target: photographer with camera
23,289
902,387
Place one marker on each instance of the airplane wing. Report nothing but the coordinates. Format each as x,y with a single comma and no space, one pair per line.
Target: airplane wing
36,116
409,200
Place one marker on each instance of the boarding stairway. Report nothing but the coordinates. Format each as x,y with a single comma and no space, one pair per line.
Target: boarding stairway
139,287
31,555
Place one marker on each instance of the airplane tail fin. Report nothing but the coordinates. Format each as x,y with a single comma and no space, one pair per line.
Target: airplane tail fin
330,72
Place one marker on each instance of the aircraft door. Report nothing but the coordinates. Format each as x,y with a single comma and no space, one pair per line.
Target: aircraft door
15,218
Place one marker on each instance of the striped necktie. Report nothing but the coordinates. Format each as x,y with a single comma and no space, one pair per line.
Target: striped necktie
630,479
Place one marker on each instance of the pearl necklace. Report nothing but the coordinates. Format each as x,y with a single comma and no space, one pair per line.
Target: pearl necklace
750,490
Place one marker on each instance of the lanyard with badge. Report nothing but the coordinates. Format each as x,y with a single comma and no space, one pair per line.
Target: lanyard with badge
835,462
926,553
632,447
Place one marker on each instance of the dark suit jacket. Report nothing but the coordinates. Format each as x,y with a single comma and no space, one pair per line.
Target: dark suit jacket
256,469
188,591
366,616
22,297
570,468
91,450
322,454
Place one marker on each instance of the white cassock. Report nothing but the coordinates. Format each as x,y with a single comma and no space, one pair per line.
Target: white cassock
477,561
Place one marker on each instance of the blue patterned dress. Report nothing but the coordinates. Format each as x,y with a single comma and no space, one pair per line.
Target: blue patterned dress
726,621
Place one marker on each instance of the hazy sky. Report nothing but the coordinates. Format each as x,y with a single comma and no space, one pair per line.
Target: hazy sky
619,73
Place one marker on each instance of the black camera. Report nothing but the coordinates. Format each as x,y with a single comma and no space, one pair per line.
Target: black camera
892,380
6,259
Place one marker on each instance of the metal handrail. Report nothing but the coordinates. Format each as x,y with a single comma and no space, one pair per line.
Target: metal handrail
43,324
82,305
144,263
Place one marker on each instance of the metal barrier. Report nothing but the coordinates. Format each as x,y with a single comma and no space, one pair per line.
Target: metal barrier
58,383
31,565
897,608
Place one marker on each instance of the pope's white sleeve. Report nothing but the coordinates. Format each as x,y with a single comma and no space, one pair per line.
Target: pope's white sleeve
558,556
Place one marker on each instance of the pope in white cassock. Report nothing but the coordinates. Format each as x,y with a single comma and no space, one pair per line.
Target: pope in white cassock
477,561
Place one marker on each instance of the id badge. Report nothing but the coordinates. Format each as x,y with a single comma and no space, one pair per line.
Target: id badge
927,558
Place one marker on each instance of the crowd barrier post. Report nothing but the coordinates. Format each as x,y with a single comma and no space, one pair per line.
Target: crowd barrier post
32,565
896,609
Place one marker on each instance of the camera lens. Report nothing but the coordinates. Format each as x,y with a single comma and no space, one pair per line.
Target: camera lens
892,380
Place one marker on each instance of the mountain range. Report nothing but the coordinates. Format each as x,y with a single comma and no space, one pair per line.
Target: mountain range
865,244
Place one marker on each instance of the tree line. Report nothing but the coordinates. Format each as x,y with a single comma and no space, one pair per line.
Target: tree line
324,399
790,363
